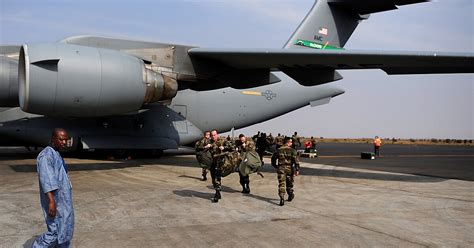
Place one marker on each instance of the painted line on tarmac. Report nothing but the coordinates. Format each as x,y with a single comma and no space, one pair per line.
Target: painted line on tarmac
436,155
341,156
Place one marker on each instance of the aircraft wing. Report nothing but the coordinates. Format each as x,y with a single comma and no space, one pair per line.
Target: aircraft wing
307,60
364,7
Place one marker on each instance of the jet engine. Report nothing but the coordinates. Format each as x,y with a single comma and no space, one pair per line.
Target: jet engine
8,82
77,81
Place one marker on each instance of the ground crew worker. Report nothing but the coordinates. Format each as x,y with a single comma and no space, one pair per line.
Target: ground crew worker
203,145
287,167
219,145
308,145
377,145
244,145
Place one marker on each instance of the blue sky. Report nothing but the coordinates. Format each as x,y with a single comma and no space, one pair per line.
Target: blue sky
420,106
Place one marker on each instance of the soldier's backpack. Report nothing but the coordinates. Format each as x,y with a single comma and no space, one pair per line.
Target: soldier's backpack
204,158
250,163
228,163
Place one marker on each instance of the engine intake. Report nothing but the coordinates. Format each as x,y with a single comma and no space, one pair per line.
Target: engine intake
77,81
8,82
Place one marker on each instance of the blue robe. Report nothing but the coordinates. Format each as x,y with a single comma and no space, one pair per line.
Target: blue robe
52,175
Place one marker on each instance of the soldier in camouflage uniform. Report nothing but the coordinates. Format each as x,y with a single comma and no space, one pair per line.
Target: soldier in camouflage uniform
219,145
203,145
261,145
296,141
244,145
279,141
288,166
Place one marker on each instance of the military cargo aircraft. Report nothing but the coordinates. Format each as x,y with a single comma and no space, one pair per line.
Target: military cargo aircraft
119,94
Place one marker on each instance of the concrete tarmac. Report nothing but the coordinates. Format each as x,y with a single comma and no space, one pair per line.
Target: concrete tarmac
163,203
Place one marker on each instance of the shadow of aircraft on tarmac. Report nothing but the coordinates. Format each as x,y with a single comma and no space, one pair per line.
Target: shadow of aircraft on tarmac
377,167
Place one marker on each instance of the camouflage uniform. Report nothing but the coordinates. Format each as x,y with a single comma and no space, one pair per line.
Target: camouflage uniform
241,148
217,155
199,147
249,146
296,141
270,140
287,157
279,141
261,145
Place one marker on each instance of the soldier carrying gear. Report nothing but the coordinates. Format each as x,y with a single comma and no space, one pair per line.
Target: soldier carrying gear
219,146
244,145
288,167
203,154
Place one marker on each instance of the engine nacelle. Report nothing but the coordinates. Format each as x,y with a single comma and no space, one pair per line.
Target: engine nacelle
8,82
69,80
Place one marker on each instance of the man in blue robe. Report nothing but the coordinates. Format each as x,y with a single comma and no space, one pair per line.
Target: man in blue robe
55,194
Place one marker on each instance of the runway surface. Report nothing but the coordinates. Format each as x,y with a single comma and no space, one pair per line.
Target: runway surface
450,162
340,201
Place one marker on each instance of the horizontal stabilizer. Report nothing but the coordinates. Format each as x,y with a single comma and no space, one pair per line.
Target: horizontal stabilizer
363,7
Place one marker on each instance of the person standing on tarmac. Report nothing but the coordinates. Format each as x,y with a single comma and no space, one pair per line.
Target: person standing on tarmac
244,145
203,145
55,194
313,142
262,145
296,141
377,145
279,141
219,145
288,167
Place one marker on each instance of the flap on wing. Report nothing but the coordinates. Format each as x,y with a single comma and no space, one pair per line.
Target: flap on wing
307,60
313,77
363,7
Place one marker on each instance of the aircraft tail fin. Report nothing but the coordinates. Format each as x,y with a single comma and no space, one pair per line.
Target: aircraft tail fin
330,23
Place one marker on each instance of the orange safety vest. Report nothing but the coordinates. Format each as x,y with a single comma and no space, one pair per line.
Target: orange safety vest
377,142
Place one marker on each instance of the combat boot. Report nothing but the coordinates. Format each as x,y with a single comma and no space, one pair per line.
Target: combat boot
248,189
217,196
291,196
204,176
282,201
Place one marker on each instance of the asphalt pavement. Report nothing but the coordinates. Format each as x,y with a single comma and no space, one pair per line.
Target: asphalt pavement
411,197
